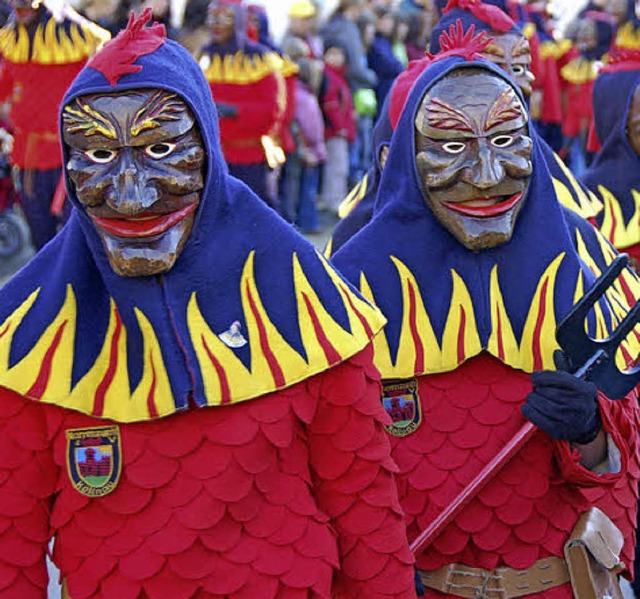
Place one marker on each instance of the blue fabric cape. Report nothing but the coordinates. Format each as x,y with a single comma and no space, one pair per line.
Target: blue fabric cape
408,259
616,167
138,348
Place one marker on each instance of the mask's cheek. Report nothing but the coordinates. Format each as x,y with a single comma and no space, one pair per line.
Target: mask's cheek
180,173
439,169
518,161
89,179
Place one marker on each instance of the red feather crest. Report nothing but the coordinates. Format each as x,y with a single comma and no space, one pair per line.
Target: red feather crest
454,42
466,44
622,59
118,56
493,16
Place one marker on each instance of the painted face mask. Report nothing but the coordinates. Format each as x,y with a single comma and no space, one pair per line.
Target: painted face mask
512,54
221,21
473,156
136,160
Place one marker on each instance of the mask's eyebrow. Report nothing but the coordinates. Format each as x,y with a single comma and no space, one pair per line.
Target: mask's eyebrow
81,118
494,50
161,107
522,48
504,109
441,115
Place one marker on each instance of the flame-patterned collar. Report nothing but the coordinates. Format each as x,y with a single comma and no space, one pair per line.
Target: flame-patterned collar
131,363
445,304
249,307
51,42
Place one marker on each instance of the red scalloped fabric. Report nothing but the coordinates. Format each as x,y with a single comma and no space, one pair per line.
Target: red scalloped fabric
288,496
528,510
620,503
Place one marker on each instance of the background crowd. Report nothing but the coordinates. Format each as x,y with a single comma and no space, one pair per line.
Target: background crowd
339,68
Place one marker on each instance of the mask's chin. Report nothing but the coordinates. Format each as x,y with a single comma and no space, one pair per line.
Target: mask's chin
146,256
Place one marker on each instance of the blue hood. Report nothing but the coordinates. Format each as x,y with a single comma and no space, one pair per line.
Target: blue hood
449,303
241,313
616,166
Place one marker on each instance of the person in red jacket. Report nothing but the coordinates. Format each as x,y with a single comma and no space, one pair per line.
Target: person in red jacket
249,89
187,399
473,287
340,126
41,54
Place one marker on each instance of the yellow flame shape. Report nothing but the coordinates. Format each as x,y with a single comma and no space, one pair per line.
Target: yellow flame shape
436,357
52,44
613,227
224,374
241,69
587,205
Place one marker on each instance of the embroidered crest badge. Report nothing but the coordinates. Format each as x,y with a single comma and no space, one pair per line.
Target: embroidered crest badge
233,337
94,459
401,401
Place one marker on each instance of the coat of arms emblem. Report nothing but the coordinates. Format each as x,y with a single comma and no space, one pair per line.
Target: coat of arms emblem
401,402
94,459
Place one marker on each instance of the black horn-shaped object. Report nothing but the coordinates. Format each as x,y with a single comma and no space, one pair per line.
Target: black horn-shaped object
595,358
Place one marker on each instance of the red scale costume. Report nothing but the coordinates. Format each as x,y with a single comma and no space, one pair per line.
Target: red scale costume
263,499
465,331
242,464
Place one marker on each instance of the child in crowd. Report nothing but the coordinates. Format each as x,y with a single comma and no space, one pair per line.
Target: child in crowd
308,131
340,126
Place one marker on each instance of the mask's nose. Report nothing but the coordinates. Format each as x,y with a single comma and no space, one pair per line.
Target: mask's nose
131,193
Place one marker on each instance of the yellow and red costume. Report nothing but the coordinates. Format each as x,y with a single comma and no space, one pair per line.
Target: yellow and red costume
214,431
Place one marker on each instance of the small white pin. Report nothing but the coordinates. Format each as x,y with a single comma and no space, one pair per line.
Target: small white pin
233,337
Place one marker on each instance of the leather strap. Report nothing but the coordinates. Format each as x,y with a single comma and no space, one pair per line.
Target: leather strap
501,583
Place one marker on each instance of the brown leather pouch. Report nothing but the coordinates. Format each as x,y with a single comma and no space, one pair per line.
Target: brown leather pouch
593,557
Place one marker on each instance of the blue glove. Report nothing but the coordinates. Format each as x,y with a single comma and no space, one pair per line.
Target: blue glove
563,406
418,583
227,111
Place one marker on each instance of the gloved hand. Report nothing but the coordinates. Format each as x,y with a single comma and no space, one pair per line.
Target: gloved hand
418,583
227,111
563,406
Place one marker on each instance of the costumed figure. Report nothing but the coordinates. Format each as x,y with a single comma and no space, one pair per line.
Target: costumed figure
258,31
187,400
627,23
250,93
509,49
593,41
547,96
615,173
474,262
42,50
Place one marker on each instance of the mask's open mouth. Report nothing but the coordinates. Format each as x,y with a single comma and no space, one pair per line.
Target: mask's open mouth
144,224
485,207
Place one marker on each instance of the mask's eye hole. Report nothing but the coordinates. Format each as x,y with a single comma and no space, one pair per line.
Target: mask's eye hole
160,150
502,141
101,155
454,147
518,70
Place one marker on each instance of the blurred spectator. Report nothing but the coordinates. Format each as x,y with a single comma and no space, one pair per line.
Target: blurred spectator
399,38
258,26
34,83
364,100
593,40
342,29
308,128
340,130
250,93
418,35
302,24
381,57
161,14
103,13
